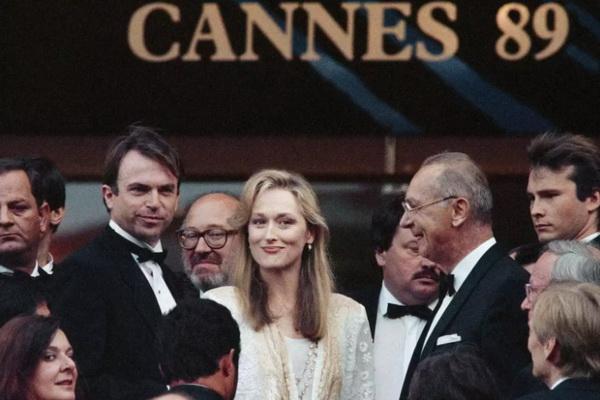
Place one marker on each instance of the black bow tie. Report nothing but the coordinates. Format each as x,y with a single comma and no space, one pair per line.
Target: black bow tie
396,311
447,285
148,255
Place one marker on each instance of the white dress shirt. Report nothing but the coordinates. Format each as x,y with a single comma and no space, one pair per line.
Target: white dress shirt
591,237
48,268
151,271
460,272
395,341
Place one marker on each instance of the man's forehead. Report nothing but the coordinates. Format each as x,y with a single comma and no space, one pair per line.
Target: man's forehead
545,174
423,182
210,212
542,268
16,184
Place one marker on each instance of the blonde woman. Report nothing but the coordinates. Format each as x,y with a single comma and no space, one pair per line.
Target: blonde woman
299,339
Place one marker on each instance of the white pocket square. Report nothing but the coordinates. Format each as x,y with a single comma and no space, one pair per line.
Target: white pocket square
446,339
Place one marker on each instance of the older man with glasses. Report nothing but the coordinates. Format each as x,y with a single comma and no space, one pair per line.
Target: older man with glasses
560,261
449,210
208,241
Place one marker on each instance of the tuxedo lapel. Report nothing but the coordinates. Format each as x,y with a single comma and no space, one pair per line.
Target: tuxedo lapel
479,271
130,272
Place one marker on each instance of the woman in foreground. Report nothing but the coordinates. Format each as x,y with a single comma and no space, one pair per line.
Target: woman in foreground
299,340
36,360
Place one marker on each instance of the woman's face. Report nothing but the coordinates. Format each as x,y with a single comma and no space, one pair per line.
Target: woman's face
277,231
56,375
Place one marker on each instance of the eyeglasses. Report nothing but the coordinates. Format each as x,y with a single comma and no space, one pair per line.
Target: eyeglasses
531,292
408,208
215,238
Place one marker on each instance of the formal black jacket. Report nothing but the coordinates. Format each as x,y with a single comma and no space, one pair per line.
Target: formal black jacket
571,389
486,313
196,392
369,298
110,315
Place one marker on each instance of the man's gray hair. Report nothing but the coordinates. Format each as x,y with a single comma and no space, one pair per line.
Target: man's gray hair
576,261
462,177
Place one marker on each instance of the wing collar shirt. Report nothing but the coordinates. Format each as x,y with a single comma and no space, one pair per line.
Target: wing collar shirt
461,272
151,270
395,341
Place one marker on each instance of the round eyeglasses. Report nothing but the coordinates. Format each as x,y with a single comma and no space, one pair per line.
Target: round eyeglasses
215,238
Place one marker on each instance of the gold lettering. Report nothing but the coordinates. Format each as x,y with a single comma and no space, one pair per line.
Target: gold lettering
280,38
376,31
446,36
344,40
211,17
137,27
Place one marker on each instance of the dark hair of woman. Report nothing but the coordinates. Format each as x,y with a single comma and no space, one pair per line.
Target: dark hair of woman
23,341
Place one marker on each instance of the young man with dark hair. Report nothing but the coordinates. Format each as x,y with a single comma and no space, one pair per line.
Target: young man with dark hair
115,289
200,349
564,187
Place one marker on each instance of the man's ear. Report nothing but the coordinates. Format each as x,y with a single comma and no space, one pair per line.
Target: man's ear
380,257
56,216
592,202
226,364
460,211
108,195
44,214
552,351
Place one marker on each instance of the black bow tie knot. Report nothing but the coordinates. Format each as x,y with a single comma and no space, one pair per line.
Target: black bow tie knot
447,285
397,311
144,255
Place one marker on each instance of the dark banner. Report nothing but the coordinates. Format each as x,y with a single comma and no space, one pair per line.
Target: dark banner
401,68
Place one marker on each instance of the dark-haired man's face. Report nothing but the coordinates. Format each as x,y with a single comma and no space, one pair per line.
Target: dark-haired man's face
410,277
21,220
147,197
556,212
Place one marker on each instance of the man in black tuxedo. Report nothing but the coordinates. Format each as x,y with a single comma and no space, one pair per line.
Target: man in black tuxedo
114,291
448,208
564,187
563,341
399,307
200,348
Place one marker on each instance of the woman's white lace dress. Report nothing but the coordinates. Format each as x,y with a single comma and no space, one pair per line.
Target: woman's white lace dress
344,363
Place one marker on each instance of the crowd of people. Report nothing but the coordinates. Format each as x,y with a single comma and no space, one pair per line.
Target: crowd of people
256,314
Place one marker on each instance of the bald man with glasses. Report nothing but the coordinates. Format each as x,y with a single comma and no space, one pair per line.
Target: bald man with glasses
207,240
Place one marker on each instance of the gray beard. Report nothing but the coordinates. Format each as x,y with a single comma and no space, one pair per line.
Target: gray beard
209,282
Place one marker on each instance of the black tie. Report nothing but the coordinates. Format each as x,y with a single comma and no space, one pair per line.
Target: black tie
397,311
148,255
447,286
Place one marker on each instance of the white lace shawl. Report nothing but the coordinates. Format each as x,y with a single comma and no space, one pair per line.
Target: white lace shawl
344,366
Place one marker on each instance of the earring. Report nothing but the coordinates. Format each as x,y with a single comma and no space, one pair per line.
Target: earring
309,246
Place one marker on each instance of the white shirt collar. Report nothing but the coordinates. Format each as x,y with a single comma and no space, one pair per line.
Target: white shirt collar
126,235
558,382
466,265
591,237
5,271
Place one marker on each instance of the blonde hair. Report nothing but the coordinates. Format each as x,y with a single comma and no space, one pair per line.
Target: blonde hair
569,312
316,281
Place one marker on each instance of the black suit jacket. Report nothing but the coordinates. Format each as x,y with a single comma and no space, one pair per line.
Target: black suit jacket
111,316
571,389
196,392
369,298
486,313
